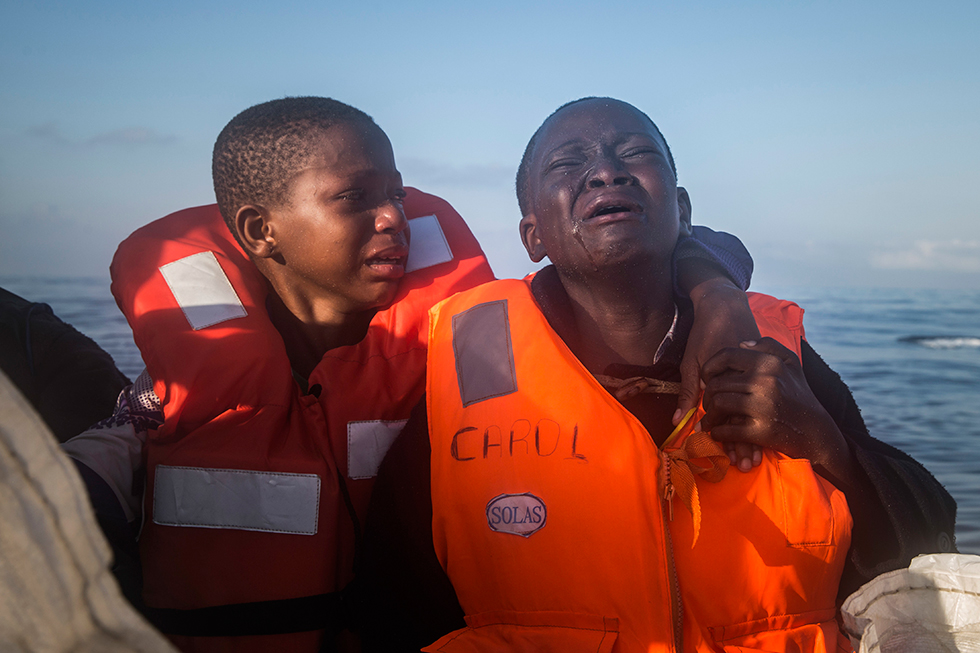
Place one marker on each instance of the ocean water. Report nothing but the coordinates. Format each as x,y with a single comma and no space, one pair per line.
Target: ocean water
911,357
912,360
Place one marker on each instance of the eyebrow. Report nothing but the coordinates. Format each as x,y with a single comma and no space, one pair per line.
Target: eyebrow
577,141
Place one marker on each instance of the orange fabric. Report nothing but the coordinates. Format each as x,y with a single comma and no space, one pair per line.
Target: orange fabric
762,575
230,402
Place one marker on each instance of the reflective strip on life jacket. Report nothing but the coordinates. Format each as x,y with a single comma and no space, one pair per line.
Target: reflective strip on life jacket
202,290
483,351
367,444
428,244
272,502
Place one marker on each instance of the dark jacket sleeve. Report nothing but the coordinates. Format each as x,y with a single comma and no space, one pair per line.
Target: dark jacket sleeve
118,532
899,509
405,600
71,381
724,251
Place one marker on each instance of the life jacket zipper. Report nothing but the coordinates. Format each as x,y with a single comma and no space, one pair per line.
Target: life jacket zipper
675,586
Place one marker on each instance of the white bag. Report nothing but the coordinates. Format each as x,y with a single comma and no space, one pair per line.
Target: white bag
934,605
56,592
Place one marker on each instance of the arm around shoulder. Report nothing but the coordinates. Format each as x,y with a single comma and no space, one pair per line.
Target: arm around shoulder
899,508
405,600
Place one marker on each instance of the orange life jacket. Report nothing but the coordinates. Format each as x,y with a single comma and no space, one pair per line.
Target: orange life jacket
549,512
255,489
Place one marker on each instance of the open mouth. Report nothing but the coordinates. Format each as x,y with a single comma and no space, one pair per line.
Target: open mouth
387,262
613,207
390,262
608,210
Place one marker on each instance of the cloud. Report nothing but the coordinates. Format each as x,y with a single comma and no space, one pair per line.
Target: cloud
132,136
949,255
50,132
127,137
423,173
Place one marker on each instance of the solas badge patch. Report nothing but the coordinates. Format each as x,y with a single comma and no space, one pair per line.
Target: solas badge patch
519,514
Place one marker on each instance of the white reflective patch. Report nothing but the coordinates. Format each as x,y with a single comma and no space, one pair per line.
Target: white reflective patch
428,246
367,444
519,514
202,290
274,502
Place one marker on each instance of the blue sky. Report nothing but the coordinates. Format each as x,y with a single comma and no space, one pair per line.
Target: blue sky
839,140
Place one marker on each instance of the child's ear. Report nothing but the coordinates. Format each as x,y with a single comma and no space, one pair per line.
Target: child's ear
529,236
684,207
256,231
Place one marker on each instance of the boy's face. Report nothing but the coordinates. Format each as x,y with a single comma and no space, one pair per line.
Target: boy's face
342,234
603,193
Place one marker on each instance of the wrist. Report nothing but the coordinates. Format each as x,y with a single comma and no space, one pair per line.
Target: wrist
834,455
693,271
717,289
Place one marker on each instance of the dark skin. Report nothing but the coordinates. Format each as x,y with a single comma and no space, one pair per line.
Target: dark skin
334,252
731,322
607,212
757,394
353,181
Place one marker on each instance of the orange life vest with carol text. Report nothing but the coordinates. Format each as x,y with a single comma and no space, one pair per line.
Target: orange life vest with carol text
554,517
255,487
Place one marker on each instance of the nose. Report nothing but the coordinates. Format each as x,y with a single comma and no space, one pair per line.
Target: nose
609,171
390,218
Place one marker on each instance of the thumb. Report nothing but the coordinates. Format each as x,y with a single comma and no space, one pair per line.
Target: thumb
690,390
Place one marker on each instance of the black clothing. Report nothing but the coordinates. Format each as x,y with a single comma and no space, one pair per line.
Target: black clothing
71,381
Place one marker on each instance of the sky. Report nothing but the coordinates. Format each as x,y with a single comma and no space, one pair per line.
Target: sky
838,140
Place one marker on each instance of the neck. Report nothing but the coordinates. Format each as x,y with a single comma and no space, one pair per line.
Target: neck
310,328
619,318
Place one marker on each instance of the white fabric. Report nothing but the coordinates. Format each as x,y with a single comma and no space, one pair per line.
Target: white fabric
202,290
367,444
934,605
240,499
56,592
428,245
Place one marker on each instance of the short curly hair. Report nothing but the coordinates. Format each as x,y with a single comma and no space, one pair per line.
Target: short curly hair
261,148
524,170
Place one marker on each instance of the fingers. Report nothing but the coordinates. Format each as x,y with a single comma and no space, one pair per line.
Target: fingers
743,455
736,399
687,399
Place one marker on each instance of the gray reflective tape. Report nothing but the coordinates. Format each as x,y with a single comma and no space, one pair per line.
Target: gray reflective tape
202,290
484,355
428,245
275,502
367,444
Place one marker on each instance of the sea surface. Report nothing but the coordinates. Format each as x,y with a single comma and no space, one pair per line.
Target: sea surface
911,357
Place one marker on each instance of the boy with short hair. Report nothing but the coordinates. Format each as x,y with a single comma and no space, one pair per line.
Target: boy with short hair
541,498
285,338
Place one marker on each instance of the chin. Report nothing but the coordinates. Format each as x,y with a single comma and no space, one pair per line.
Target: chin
384,296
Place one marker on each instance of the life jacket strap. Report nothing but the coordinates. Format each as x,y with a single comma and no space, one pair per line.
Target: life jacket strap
322,611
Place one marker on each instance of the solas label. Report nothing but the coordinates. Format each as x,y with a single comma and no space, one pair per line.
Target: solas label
519,514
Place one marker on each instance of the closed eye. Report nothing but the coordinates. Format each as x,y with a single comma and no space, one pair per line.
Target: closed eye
353,195
563,163
640,151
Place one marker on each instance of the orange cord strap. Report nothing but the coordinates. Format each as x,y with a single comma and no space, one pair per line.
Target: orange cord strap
700,455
